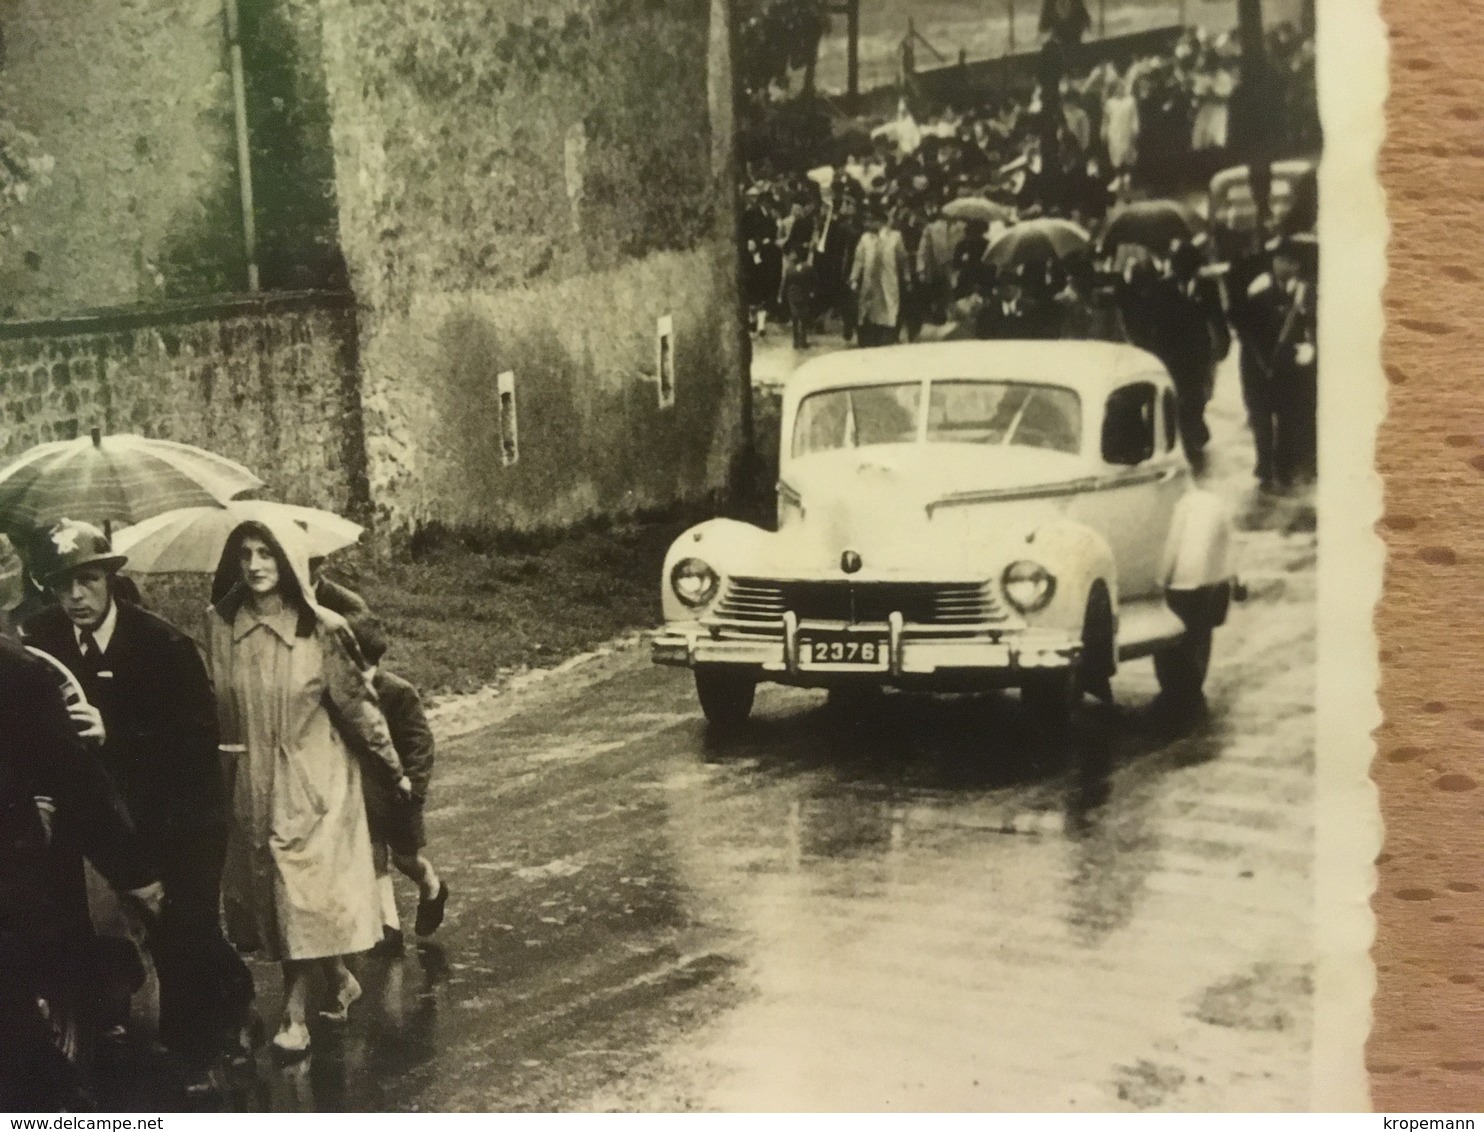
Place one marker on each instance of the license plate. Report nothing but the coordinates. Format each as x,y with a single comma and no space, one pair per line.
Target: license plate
842,650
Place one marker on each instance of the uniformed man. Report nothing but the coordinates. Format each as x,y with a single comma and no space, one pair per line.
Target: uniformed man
1283,307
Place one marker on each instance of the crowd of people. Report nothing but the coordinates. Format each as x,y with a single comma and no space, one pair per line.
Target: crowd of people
872,244
258,787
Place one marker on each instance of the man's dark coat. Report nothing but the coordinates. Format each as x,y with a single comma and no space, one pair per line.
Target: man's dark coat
160,715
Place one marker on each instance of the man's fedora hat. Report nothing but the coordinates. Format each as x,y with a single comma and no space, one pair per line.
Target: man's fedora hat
69,545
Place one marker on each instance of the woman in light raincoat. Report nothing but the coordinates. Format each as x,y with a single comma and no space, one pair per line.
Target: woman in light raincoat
299,884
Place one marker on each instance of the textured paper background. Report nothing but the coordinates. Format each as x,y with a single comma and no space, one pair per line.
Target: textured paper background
1426,1051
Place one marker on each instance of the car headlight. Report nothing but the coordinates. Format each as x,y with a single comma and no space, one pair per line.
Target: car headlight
1029,586
694,582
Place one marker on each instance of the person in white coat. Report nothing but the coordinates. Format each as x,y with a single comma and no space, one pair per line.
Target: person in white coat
1121,133
880,277
299,884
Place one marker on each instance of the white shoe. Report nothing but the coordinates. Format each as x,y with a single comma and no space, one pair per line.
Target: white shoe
350,990
292,1038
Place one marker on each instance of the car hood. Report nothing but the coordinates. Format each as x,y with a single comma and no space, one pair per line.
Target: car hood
931,471
876,501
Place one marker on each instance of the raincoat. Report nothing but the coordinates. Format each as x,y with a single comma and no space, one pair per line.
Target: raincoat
1121,129
879,276
299,882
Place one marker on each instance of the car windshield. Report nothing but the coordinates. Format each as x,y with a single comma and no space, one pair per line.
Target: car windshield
1005,412
858,417
958,412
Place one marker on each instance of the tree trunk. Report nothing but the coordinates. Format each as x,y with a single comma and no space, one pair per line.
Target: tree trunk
1249,23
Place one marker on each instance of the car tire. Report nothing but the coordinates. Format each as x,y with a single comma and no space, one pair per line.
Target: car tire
726,696
1181,669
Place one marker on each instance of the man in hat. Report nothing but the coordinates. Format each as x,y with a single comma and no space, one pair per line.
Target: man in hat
1191,337
1021,306
56,804
159,745
1279,324
935,265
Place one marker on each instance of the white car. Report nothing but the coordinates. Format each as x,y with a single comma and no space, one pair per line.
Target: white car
957,517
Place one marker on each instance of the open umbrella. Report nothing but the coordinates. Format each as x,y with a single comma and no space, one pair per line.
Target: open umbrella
190,540
977,208
1152,224
114,480
1037,241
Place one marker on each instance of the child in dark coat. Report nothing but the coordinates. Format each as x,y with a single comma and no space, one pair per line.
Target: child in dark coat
397,826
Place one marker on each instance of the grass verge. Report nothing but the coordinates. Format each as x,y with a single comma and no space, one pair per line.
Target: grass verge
461,613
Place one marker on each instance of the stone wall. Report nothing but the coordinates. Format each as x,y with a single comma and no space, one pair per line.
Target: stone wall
269,382
529,186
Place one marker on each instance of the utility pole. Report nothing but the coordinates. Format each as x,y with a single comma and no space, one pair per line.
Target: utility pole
244,151
1010,5
852,10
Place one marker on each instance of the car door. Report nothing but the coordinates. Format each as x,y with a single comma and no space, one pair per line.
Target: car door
1144,475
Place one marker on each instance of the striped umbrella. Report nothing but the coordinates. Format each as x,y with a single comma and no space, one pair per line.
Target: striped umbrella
191,540
114,481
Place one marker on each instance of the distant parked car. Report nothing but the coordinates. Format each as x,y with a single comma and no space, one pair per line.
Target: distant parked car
956,517
1232,206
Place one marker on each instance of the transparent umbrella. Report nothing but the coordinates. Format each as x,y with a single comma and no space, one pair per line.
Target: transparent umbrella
114,481
191,540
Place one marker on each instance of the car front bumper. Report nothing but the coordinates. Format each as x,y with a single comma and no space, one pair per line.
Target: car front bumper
913,653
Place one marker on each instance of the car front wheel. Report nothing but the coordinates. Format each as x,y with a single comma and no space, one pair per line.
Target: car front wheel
726,695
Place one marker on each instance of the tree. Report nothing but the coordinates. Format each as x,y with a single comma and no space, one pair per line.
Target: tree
776,38
1065,20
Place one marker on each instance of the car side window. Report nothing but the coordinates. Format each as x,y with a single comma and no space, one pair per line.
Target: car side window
1172,420
1128,424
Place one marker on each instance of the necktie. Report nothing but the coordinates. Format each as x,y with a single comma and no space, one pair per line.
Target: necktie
92,655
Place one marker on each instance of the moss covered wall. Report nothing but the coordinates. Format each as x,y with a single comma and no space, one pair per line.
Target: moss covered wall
133,100
521,185
528,186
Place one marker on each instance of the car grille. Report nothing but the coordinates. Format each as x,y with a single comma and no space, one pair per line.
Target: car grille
756,601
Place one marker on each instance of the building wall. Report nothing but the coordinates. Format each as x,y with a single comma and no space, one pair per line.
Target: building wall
268,382
506,185
133,101
528,186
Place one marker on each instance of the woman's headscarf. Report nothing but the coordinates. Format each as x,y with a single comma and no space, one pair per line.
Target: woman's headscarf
290,548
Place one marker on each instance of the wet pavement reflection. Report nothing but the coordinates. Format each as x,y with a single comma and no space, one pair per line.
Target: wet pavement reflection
918,902
913,903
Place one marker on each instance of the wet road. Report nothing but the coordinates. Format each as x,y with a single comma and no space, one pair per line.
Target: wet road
911,910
